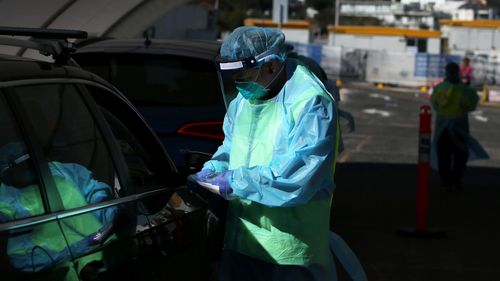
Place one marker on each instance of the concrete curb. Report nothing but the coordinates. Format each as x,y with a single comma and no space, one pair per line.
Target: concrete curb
490,104
367,86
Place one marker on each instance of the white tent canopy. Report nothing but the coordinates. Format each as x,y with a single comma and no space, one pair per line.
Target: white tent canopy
113,18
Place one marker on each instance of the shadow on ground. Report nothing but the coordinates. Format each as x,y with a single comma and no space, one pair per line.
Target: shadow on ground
373,200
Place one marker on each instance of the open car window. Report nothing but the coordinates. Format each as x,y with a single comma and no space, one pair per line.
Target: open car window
149,166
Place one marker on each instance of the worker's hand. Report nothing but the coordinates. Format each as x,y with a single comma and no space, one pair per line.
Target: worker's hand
223,181
205,173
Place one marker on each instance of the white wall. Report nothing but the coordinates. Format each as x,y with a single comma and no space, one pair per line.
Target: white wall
461,39
423,2
379,43
463,14
496,39
458,38
389,43
297,35
434,45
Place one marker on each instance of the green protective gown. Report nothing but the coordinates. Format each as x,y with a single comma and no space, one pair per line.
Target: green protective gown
282,152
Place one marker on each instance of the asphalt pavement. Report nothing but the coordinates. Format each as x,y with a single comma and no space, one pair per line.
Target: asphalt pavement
376,188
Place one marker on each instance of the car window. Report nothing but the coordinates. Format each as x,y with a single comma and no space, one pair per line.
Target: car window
166,80
147,162
28,251
148,165
95,63
82,170
78,157
19,189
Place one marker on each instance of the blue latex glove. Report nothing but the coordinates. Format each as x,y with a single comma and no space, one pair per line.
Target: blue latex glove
204,174
223,181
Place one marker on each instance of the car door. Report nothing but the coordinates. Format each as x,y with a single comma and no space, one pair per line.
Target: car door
171,239
100,200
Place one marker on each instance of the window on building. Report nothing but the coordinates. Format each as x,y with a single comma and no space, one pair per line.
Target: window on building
417,44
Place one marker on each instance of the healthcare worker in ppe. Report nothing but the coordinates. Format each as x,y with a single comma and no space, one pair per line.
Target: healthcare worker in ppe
276,163
44,247
453,145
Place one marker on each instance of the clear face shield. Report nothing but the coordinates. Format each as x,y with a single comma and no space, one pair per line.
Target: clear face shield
244,73
246,70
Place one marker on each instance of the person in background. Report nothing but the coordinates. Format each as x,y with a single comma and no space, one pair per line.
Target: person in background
466,71
453,100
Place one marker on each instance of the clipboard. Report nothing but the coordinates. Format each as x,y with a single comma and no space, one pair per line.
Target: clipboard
210,187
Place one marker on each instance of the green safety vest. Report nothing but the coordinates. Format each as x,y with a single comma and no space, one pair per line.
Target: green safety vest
284,235
453,99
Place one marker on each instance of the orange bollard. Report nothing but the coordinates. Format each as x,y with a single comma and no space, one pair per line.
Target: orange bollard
424,152
423,176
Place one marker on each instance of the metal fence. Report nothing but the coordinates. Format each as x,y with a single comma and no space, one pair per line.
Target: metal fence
399,68
485,71
393,68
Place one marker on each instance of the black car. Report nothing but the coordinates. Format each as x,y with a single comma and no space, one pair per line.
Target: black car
176,86
87,190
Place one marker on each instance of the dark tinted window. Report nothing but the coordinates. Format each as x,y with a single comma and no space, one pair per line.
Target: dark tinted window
166,80
148,164
422,45
73,145
19,189
95,63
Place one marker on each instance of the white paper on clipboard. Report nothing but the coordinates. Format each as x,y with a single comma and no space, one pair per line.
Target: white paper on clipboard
211,187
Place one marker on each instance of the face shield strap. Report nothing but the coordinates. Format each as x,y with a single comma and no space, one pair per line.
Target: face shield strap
247,63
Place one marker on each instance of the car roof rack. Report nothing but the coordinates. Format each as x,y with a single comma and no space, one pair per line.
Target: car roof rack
49,42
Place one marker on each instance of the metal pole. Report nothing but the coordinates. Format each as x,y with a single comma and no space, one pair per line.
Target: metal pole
337,12
280,23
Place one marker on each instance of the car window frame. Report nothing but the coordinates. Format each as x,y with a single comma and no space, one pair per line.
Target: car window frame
41,165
